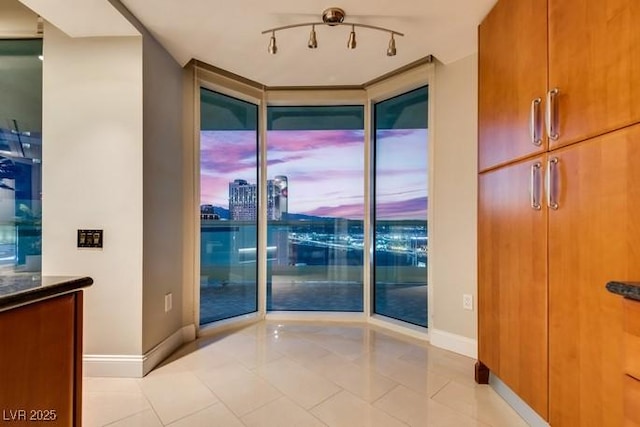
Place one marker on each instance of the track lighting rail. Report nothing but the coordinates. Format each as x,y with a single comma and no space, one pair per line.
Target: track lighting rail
310,24
332,16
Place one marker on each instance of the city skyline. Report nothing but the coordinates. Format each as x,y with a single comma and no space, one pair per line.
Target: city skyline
325,170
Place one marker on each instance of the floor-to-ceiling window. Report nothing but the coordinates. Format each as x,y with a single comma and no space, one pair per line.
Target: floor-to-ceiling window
228,206
400,207
20,155
315,208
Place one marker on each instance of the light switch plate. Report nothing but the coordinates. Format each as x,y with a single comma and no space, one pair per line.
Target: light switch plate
90,238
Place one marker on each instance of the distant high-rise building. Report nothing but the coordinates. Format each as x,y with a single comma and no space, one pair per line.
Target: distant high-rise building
243,199
280,197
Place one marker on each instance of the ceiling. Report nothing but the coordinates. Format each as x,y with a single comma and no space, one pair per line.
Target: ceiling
227,34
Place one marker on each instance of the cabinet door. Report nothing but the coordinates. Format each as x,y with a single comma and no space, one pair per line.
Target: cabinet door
512,73
593,238
512,280
594,61
37,356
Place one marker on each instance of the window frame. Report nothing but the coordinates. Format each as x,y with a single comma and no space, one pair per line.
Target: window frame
398,84
215,82
382,89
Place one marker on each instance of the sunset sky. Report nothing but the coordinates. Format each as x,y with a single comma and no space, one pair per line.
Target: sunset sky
324,169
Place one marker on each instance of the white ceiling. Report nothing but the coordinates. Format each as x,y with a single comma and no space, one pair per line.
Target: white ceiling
227,34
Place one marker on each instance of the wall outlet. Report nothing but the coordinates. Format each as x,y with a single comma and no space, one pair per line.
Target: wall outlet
168,302
467,301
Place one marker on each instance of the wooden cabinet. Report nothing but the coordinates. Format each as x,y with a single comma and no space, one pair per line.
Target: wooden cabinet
41,363
588,51
512,74
512,271
591,238
594,61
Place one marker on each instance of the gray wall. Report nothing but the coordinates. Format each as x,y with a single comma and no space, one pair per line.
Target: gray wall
163,207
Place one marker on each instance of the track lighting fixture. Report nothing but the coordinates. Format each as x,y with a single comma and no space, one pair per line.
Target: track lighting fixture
313,42
273,48
333,16
391,50
351,44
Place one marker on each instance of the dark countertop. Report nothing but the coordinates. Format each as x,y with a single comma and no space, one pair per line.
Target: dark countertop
629,290
20,289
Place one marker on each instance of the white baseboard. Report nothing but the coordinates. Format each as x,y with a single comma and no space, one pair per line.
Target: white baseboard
188,333
452,342
112,365
136,366
157,354
400,327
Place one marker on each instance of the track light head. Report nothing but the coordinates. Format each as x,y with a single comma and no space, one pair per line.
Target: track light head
351,44
273,47
313,41
391,50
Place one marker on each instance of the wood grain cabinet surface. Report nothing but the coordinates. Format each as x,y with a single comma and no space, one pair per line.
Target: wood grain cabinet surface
594,61
41,363
512,74
512,271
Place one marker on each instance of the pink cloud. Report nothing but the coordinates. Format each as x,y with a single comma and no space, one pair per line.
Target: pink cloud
329,178
415,208
395,133
351,211
291,141
228,151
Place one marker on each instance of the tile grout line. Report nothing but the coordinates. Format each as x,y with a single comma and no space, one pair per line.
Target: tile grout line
440,389
188,415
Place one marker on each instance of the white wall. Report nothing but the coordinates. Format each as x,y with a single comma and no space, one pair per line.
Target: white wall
452,245
93,178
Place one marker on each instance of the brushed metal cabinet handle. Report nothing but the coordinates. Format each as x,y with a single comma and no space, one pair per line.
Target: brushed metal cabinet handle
534,189
534,122
552,114
551,184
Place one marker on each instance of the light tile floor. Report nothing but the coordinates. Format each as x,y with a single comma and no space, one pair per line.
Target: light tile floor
303,375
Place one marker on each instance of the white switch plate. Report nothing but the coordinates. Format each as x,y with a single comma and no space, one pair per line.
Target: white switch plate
168,302
467,301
